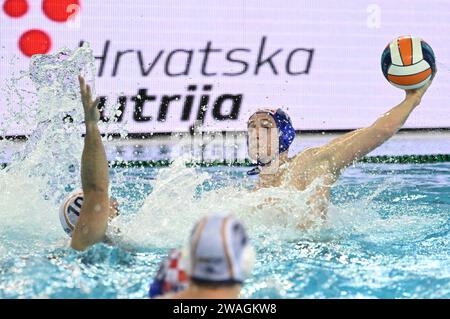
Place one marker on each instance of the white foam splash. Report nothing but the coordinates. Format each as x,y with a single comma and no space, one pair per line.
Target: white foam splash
174,206
42,172
272,215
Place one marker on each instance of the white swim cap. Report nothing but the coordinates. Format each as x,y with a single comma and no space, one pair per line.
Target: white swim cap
69,212
219,251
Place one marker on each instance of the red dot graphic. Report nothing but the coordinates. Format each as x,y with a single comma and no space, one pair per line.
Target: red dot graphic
60,10
34,42
15,8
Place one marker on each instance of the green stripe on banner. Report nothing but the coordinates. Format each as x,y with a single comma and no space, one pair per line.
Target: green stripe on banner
407,159
403,159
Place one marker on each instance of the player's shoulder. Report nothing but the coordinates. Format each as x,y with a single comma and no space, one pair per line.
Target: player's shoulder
306,154
310,158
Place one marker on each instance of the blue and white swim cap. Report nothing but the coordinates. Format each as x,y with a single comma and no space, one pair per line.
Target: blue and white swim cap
219,251
286,132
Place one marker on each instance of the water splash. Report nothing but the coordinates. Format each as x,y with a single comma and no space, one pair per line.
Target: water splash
47,166
181,196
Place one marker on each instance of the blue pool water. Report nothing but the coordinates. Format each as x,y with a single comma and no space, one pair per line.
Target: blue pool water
387,236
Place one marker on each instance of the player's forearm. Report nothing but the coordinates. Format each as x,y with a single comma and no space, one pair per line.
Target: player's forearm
94,165
394,119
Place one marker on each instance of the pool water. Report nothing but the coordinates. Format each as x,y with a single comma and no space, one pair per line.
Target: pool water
387,236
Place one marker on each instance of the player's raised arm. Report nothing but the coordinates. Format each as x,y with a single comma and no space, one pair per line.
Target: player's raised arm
91,227
346,149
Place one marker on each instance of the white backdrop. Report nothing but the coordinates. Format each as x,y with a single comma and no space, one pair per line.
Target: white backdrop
325,70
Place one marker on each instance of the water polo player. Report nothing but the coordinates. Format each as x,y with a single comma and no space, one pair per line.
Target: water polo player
270,133
213,265
85,215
